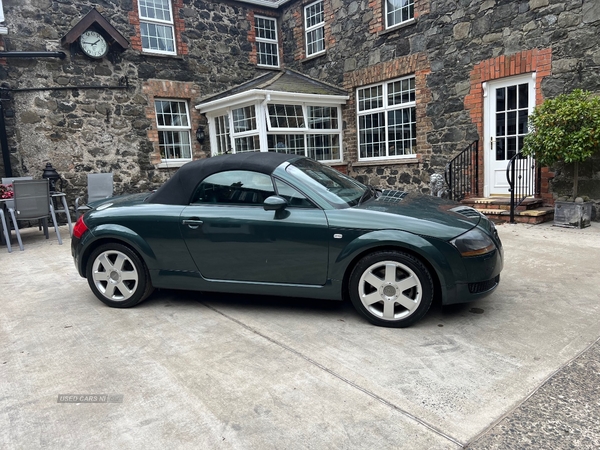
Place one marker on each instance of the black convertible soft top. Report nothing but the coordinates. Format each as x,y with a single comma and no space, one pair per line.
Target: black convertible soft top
180,187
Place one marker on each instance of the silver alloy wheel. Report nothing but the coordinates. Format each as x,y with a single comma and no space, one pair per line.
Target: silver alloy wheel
115,275
390,290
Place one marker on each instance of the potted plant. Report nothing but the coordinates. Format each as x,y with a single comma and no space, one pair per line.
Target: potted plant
567,129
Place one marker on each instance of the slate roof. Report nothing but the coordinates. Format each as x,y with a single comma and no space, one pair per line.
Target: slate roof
282,81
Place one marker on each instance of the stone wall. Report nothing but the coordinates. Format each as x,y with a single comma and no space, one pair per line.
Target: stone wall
112,129
82,130
454,37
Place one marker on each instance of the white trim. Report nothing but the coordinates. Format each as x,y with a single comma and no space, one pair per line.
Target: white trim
263,130
275,96
489,144
152,21
266,3
383,109
167,128
274,42
404,22
314,28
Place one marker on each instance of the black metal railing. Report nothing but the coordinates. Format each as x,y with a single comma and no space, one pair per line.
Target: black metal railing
462,173
523,176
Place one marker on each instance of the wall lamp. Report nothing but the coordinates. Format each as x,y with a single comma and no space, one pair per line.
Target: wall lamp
200,134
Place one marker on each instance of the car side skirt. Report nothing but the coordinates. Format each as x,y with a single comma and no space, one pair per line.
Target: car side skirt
193,281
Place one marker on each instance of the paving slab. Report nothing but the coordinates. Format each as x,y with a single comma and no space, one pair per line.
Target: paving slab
197,370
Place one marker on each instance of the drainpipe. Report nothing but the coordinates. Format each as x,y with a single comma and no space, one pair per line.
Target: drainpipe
4,143
61,55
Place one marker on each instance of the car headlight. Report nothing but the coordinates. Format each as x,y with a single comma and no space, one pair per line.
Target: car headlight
473,243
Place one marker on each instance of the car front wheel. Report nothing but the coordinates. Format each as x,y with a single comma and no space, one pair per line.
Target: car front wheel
391,289
117,276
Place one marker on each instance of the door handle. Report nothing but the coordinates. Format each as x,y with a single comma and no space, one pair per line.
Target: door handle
192,223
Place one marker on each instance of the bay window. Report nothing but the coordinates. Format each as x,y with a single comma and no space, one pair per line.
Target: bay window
278,126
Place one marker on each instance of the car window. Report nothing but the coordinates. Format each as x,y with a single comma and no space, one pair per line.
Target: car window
292,195
338,189
237,187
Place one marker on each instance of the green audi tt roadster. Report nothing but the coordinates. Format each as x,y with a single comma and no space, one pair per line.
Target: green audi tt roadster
286,225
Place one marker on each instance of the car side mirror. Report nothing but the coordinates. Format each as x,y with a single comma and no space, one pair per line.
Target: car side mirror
275,203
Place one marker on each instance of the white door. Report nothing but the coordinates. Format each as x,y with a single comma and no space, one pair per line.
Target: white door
508,103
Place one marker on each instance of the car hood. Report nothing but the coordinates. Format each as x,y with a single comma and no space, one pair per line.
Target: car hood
420,214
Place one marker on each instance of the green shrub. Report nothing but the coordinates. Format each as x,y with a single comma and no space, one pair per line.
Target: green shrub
565,128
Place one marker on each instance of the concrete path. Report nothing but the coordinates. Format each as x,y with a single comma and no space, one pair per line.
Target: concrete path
189,370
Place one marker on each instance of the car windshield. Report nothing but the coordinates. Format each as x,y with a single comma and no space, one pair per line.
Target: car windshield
338,189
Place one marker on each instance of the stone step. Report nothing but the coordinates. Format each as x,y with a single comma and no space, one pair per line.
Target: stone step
502,203
533,216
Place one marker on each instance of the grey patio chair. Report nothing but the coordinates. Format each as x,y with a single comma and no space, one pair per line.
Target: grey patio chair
8,203
99,187
10,180
31,201
5,229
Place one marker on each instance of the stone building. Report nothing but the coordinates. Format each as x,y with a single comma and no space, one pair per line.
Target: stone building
388,91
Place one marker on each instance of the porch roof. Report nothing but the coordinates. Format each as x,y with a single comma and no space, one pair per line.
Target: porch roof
281,84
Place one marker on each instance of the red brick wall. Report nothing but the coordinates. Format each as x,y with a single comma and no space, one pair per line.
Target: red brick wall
535,60
134,19
172,90
416,64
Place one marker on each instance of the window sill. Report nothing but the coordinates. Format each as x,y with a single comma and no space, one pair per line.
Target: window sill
386,162
172,164
397,27
274,68
162,55
315,56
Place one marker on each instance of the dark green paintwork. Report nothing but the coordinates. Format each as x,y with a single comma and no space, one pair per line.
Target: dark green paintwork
291,252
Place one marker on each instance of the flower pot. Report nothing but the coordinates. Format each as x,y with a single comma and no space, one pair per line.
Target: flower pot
573,215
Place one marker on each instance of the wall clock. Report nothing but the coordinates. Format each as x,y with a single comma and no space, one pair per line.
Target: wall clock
93,44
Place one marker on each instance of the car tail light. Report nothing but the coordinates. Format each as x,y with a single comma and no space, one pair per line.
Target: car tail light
80,228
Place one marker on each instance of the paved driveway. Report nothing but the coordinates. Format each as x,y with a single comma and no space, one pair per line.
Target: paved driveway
191,370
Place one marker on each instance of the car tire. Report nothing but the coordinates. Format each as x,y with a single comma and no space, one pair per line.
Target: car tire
118,276
391,289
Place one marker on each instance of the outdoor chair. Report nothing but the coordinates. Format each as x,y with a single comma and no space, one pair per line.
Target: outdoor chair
99,187
6,204
31,201
5,230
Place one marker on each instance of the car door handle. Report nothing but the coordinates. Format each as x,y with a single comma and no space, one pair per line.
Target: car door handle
192,223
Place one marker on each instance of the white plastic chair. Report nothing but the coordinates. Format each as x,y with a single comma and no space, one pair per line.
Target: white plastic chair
99,187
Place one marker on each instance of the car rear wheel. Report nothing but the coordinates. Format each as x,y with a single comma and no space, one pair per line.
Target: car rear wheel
117,276
391,289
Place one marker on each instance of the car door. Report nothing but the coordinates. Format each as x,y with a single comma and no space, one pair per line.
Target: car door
231,237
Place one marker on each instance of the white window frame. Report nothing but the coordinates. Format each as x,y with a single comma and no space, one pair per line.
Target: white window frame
264,128
408,5
265,40
165,128
251,133
315,27
164,23
385,108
